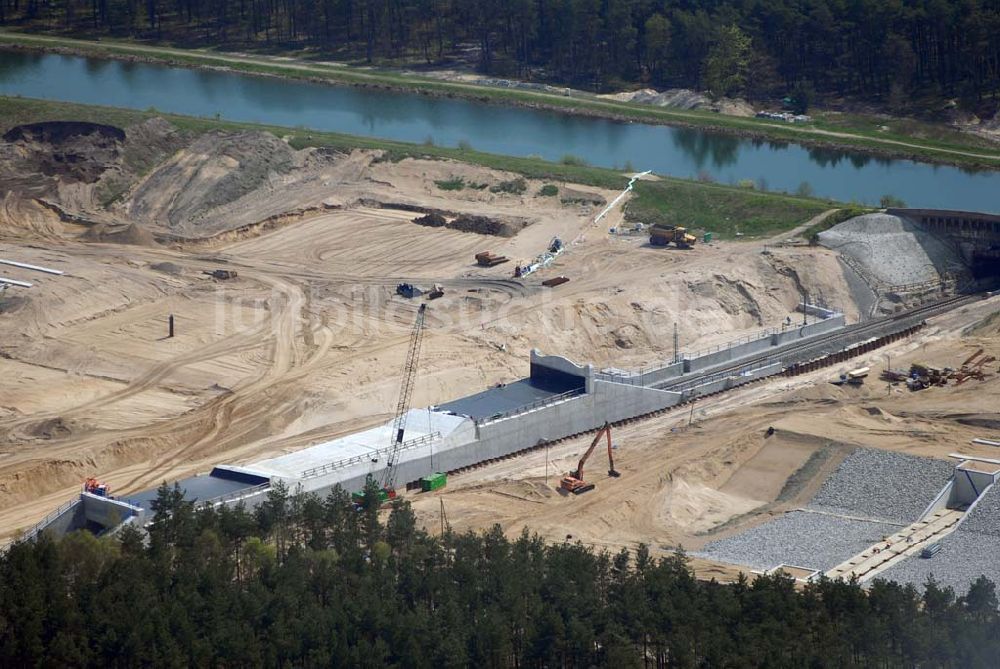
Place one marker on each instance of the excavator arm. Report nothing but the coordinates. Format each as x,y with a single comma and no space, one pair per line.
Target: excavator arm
575,482
603,432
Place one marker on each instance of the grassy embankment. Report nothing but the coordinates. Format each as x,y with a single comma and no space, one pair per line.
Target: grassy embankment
862,133
722,209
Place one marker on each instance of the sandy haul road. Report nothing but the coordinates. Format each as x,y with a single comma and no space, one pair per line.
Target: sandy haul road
307,342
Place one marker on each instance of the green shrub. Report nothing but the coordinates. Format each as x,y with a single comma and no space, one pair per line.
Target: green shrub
549,190
513,186
452,183
574,161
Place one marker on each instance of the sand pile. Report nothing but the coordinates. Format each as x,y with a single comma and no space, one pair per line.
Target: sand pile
432,220
132,234
483,225
215,170
488,226
683,98
987,327
69,150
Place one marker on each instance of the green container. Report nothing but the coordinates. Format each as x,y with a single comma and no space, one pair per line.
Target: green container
708,237
435,481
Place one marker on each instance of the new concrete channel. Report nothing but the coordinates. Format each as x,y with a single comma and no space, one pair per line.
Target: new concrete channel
558,400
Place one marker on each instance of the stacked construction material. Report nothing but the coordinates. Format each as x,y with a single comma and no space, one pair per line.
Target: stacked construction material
488,259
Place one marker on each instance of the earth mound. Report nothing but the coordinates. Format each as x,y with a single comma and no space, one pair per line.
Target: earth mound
215,170
488,226
73,151
131,234
431,220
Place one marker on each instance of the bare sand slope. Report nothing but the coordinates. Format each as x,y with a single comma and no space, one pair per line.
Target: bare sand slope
307,342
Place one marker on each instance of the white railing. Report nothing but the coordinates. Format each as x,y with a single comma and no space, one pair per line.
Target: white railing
236,494
367,457
40,525
525,408
746,371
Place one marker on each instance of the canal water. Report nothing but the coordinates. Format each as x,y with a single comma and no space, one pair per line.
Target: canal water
687,153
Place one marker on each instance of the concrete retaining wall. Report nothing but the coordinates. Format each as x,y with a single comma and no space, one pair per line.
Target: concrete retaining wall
104,511
756,346
725,355
561,366
941,502
968,486
728,382
70,520
467,445
663,373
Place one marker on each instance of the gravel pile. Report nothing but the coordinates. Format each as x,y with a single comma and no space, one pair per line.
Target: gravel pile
893,250
984,518
964,557
883,485
800,538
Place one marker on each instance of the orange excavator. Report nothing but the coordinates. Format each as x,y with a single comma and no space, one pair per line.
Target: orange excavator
574,481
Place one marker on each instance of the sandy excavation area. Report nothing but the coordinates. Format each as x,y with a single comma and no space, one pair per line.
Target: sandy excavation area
700,474
307,342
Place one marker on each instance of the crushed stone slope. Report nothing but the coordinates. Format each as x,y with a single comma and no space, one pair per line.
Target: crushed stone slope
893,250
882,484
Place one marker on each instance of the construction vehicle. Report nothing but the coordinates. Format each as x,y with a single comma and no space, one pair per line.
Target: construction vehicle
387,480
436,291
854,377
924,376
408,290
95,487
222,274
662,236
574,481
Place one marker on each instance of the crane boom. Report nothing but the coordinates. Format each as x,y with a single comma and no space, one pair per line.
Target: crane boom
388,479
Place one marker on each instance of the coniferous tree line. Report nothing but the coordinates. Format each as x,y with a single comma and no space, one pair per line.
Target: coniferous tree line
890,50
304,581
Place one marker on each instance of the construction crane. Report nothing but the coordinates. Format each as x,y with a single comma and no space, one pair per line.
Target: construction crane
388,480
574,481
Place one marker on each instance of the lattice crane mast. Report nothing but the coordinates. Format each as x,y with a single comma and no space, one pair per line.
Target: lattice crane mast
388,479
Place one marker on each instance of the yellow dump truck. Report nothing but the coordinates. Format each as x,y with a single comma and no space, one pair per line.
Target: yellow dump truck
662,236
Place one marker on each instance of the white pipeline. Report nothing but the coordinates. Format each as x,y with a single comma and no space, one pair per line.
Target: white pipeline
620,196
23,265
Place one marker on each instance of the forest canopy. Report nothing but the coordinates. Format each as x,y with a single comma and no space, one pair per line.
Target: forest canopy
304,581
889,50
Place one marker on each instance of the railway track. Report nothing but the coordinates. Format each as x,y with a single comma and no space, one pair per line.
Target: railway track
824,344
833,342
